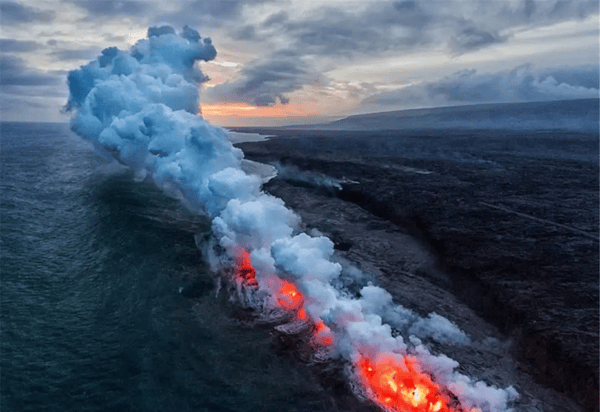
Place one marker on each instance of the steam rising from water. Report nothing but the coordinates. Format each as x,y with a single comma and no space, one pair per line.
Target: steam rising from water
140,107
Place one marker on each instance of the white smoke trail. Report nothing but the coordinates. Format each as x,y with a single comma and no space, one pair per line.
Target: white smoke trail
140,106
291,172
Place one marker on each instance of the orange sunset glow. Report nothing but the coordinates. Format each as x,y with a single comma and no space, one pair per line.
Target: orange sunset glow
222,110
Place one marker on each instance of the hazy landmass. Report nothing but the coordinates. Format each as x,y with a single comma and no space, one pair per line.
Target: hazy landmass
581,115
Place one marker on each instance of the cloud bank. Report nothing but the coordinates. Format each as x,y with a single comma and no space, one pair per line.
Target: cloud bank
18,46
300,50
114,8
16,73
522,84
266,81
320,39
12,12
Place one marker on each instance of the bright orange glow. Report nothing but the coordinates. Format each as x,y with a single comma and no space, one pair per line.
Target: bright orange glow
323,335
290,298
436,407
244,272
325,340
320,326
396,385
401,387
220,111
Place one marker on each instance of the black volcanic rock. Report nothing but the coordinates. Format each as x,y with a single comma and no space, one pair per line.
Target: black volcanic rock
512,218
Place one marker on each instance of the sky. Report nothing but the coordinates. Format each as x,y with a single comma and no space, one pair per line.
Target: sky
282,62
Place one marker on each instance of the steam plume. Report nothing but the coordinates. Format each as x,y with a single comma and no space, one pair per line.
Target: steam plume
140,106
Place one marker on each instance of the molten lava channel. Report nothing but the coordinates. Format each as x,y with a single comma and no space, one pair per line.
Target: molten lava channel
244,272
287,295
399,386
394,384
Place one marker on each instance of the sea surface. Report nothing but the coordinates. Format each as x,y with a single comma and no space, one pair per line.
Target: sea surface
92,314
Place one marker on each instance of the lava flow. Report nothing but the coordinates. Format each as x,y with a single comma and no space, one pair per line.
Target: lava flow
244,272
322,334
398,386
287,296
394,384
290,298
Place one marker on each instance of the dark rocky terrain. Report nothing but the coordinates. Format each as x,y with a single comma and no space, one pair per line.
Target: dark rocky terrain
510,220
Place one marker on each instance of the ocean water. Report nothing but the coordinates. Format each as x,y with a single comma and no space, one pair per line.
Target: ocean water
92,318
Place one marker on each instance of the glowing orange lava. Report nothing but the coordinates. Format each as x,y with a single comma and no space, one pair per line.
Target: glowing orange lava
323,335
401,387
244,271
395,385
289,297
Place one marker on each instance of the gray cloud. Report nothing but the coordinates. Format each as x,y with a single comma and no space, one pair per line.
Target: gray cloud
578,76
16,73
472,38
112,38
114,7
12,12
18,46
40,92
266,81
521,84
9,103
336,31
76,54
246,32
275,19
398,25
329,33
213,13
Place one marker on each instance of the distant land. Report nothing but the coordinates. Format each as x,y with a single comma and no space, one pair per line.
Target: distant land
575,115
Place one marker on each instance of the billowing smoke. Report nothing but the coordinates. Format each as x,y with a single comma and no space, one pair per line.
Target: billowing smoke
140,106
294,174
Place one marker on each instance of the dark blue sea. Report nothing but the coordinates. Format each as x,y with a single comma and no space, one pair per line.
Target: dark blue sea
92,265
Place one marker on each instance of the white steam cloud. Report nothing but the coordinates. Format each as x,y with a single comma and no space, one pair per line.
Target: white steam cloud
291,172
140,106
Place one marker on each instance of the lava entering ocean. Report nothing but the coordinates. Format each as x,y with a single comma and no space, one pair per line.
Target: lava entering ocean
392,381
398,386
244,272
287,295
140,107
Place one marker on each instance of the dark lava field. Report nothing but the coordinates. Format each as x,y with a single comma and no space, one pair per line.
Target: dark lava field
492,229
